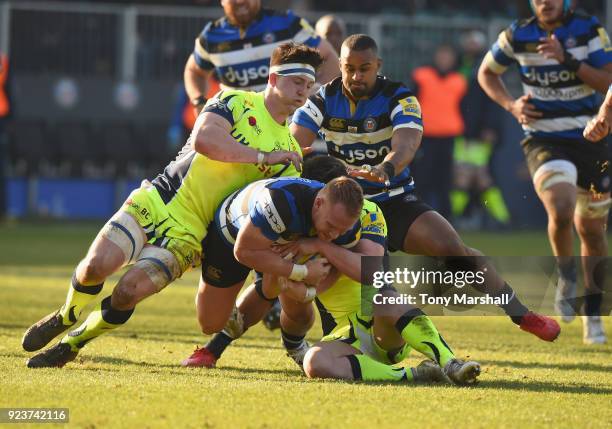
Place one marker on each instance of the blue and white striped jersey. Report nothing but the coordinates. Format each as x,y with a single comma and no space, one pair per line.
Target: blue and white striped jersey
565,100
281,208
242,59
360,134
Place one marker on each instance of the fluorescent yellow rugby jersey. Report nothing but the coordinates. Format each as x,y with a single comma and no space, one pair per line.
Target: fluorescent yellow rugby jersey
193,185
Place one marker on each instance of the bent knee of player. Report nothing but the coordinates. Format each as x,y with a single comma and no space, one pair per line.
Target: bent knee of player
96,268
452,246
210,325
125,295
132,288
317,363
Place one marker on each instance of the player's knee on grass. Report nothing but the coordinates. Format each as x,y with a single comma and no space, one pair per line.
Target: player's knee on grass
317,363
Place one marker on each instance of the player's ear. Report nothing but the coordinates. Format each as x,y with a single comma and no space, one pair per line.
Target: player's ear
272,79
379,64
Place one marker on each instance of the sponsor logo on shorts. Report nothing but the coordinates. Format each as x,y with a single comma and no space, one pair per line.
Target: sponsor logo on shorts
214,272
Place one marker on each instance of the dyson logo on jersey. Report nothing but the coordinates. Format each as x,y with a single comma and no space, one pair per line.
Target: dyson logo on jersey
352,155
550,77
244,76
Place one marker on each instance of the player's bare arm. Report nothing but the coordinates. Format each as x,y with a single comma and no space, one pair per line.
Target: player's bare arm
601,125
404,144
304,136
196,82
254,250
214,139
491,82
347,261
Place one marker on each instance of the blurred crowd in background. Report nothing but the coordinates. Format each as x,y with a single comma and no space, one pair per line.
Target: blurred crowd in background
76,96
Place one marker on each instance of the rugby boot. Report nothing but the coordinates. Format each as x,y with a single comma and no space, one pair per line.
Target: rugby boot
272,318
462,373
54,357
428,372
201,357
593,330
42,332
543,327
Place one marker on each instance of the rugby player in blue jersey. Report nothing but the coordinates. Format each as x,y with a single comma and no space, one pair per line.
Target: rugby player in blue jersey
564,58
375,126
238,46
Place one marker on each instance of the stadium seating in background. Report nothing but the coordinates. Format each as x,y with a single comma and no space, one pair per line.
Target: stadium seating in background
122,151
80,150
154,146
32,149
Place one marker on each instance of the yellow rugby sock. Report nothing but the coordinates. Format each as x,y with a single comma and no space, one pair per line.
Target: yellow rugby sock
101,320
420,333
367,369
78,297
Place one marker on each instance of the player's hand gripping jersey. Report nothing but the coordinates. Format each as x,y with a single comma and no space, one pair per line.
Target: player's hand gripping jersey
183,199
345,296
280,208
360,134
341,306
242,58
565,100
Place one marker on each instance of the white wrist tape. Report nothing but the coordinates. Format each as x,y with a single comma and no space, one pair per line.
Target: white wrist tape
311,293
260,157
298,273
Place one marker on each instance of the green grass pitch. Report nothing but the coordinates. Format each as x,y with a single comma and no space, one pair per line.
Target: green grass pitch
132,378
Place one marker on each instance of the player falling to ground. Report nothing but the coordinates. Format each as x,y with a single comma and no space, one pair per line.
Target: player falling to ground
238,47
366,120
383,340
601,126
240,137
252,220
564,58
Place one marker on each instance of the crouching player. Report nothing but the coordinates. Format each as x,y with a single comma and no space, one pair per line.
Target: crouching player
357,345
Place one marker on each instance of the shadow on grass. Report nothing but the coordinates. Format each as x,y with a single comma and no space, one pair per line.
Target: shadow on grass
581,366
19,326
542,386
107,360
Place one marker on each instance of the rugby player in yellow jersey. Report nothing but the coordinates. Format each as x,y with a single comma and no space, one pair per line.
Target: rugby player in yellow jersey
240,137
358,345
